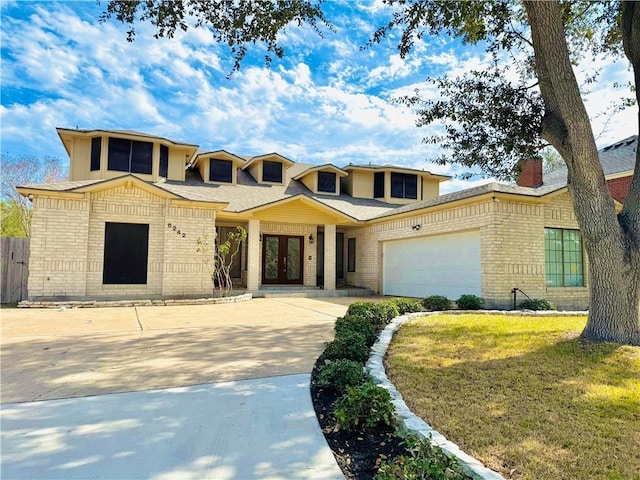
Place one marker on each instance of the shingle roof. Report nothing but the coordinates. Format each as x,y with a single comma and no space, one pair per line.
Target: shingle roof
493,187
616,158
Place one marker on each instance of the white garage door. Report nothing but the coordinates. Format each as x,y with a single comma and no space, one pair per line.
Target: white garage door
446,265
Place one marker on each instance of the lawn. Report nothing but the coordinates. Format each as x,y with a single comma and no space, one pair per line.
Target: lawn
524,394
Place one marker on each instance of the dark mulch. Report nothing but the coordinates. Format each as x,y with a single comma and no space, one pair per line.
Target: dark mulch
360,452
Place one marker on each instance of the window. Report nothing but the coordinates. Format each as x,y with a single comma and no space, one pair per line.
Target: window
327,182
96,150
272,172
164,161
130,156
351,255
563,258
404,185
220,170
126,251
378,185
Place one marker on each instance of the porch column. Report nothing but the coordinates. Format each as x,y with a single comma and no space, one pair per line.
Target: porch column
253,255
329,257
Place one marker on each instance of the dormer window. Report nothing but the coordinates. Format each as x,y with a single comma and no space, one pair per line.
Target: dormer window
404,185
220,170
130,156
378,185
327,182
271,172
96,151
164,161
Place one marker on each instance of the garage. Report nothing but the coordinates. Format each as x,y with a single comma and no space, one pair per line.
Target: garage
446,265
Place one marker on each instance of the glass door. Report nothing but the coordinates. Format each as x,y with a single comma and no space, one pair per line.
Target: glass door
282,259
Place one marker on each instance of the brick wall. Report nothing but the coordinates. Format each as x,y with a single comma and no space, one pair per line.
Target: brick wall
512,247
68,245
619,187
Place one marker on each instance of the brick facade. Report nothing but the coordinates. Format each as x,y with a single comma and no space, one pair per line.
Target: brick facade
68,245
511,239
619,187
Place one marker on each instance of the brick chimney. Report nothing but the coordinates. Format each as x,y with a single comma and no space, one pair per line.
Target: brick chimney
530,173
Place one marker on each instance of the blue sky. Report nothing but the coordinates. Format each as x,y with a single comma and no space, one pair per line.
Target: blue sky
327,101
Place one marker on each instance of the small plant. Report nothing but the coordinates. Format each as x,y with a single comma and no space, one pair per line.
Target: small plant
348,345
340,374
537,304
436,303
379,313
359,324
218,256
407,305
423,462
365,405
470,302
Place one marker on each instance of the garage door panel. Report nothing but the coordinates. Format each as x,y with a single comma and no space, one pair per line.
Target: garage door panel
438,265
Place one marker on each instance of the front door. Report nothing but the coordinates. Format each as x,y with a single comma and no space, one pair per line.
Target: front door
282,259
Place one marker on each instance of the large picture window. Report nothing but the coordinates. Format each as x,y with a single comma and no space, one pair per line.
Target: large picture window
220,170
327,182
126,251
404,185
96,151
272,172
130,156
563,258
351,255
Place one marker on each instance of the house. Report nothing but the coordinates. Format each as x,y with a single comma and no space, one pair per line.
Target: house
127,223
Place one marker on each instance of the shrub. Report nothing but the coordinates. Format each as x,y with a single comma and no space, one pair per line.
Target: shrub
436,303
379,313
470,302
359,324
339,374
407,305
537,304
423,461
348,345
365,405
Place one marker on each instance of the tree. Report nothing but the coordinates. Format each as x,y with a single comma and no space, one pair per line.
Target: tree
490,121
11,220
23,170
219,257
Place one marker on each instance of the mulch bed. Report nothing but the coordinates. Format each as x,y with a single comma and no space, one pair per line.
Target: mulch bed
358,453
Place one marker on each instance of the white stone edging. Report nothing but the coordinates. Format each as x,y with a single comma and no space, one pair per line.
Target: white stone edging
406,417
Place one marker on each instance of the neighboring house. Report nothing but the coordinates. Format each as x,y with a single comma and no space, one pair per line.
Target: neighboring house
127,223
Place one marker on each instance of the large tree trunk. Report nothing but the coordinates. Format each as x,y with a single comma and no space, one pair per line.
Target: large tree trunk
611,245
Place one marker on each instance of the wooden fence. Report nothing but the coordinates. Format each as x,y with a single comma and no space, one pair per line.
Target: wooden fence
14,272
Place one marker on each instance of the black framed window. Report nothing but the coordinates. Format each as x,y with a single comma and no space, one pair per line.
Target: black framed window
404,185
351,255
220,170
164,161
378,185
563,258
130,156
272,172
327,182
126,252
96,151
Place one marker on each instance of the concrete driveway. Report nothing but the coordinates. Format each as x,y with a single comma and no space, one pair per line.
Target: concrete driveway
206,391
48,354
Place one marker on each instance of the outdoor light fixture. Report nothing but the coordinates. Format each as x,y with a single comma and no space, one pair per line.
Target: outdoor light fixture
260,237
310,238
416,227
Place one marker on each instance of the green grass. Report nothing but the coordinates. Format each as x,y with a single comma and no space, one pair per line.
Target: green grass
524,395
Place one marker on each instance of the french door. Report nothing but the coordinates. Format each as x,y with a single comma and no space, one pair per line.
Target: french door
282,259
